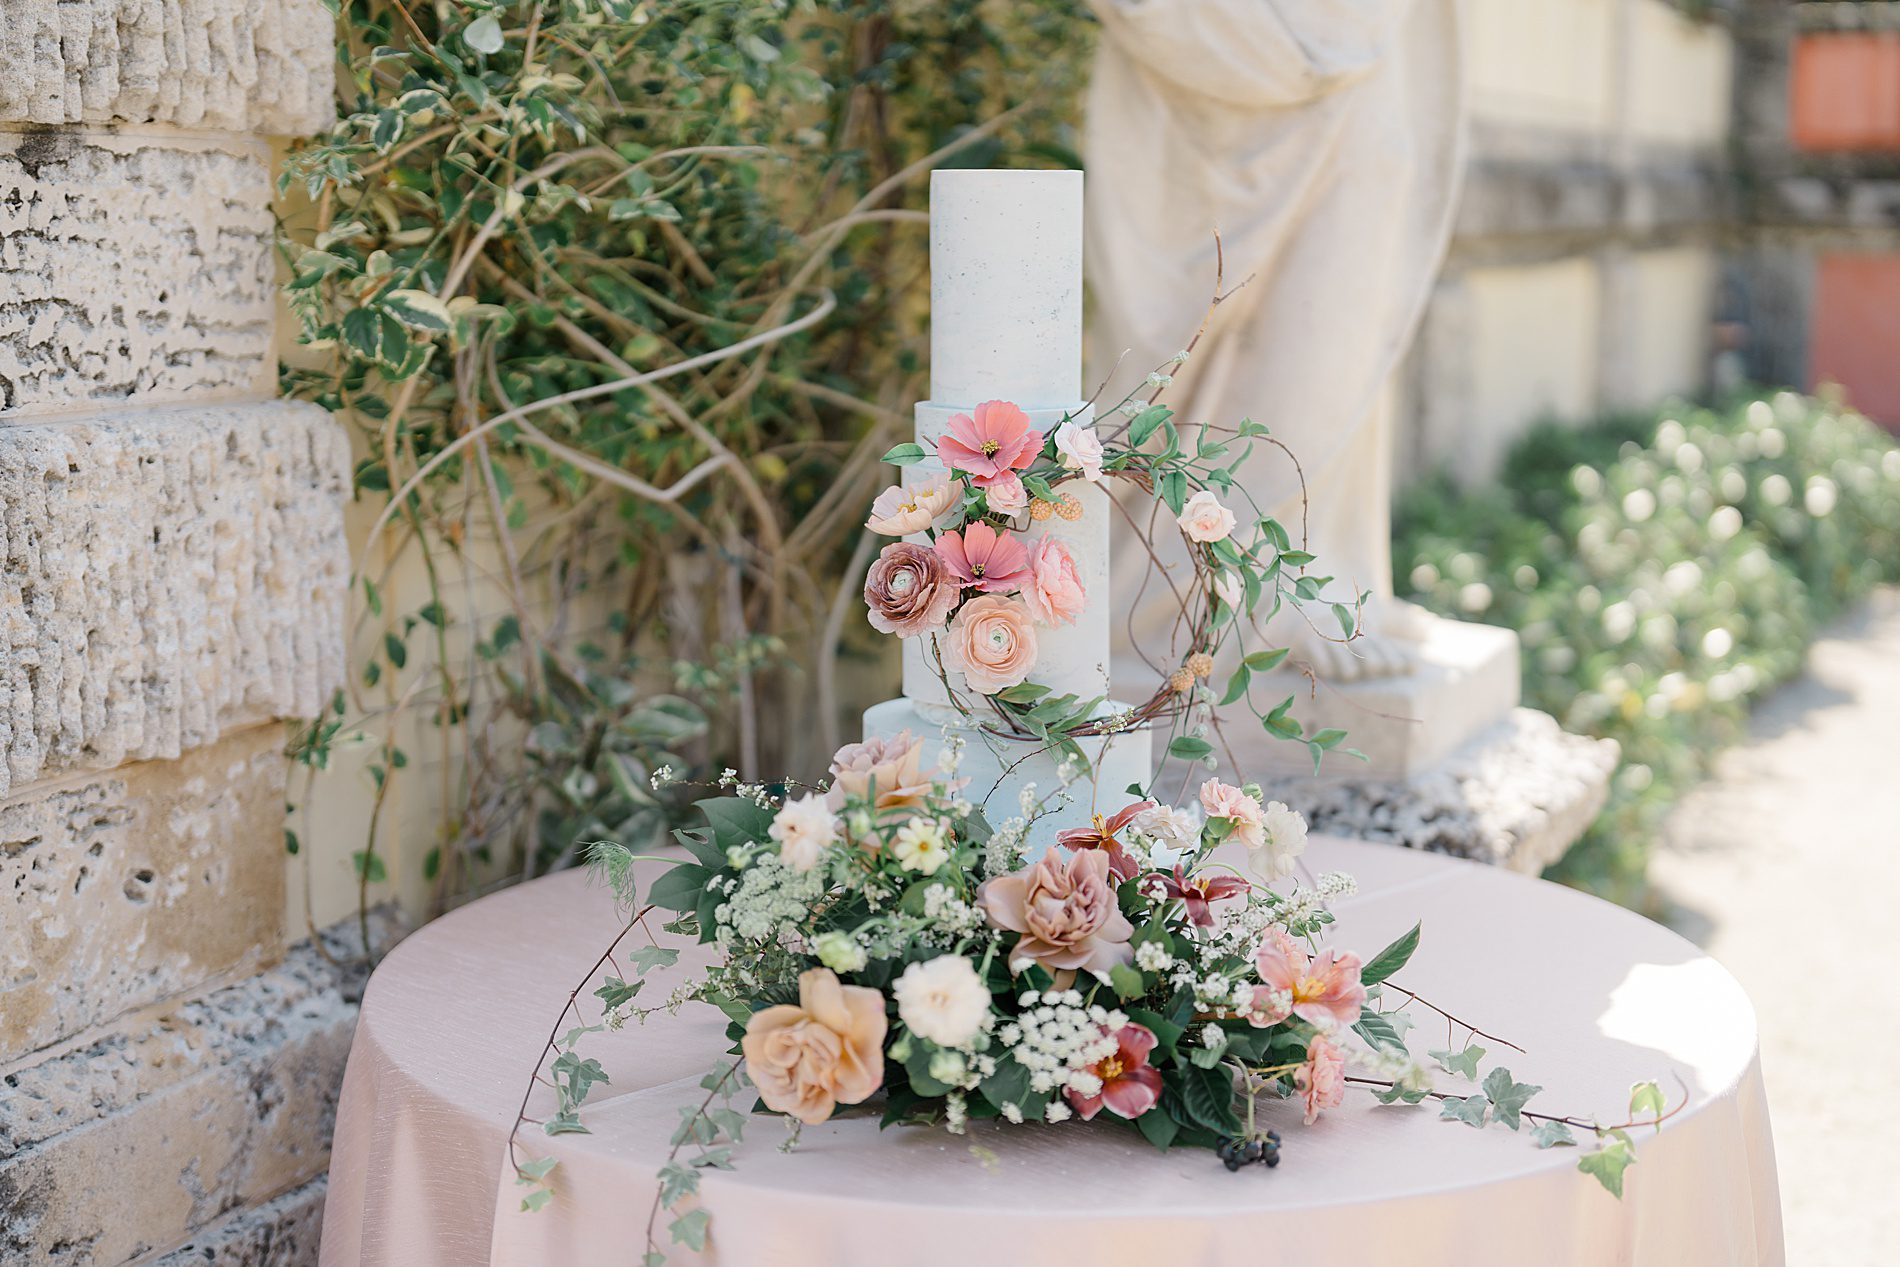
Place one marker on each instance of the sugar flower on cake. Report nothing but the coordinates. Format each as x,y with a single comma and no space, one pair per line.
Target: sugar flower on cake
1272,834
885,771
1325,991
997,439
909,590
1054,588
992,643
828,1049
1204,519
1081,450
1130,1086
913,505
1105,834
1006,494
804,829
985,559
1066,913
1321,1080
943,1000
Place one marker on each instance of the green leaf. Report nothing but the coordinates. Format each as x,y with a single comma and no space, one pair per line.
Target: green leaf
1552,1135
1208,1095
904,454
1158,1128
393,648
1646,1100
1173,489
369,866
735,821
1267,661
1237,685
1189,748
1146,423
1383,1029
419,310
1393,957
1470,1110
1347,623
679,889
1127,981
483,34
758,49
1463,1063
689,1229
536,1199
677,1181
646,958
1508,1097
613,992
1608,1163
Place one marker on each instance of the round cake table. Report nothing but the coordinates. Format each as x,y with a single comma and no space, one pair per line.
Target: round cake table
1600,998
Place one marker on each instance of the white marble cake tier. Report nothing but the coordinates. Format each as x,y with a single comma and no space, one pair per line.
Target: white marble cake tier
998,769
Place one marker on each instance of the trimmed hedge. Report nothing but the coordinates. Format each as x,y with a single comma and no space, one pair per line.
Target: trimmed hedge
1663,572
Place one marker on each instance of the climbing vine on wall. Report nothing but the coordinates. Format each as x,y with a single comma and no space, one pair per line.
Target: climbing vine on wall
623,301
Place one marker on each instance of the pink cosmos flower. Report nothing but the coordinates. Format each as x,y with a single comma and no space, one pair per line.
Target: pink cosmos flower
1321,1081
1325,992
996,441
1130,1085
994,562
1007,496
1101,834
1198,893
1054,591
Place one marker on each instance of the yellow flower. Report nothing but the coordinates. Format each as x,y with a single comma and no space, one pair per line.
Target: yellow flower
921,845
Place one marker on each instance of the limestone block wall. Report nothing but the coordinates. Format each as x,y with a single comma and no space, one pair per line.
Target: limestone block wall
172,574
1587,270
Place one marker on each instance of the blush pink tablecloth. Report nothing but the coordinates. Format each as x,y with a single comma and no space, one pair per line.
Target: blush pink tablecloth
1601,998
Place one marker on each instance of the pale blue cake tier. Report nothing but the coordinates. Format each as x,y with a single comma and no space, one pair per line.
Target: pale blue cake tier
998,769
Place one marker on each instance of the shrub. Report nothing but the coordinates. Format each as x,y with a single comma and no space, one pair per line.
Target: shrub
1662,573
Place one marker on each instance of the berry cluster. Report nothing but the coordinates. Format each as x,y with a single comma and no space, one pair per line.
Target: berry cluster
1236,1152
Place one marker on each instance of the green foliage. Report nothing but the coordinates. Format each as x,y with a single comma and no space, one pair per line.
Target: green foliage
521,264
1663,574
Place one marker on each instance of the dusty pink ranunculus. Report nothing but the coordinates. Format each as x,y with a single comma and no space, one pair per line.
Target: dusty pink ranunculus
1325,992
828,1049
1066,912
983,558
1224,800
992,643
996,440
908,590
1006,494
1204,519
911,507
1130,1085
1321,1081
888,772
1054,588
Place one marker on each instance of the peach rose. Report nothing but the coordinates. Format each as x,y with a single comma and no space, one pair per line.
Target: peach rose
913,506
1066,912
908,590
1321,1081
893,767
992,643
1204,519
826,1051
1054,592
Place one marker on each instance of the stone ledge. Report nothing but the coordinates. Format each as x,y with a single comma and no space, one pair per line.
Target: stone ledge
131,1144
138,269
263,66
142,883
1518,796
168,576
282,1232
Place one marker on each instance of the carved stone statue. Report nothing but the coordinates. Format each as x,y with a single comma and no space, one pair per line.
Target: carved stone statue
1323,140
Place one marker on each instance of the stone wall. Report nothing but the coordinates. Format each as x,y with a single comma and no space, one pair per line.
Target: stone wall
173,581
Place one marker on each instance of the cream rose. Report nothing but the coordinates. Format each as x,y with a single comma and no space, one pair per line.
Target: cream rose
1081,450
803,830
827,1050
992,642
1054,593
943,1000
913,506
1006,494
1204,519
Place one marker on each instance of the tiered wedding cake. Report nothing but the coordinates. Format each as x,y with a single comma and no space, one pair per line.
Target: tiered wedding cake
1006,325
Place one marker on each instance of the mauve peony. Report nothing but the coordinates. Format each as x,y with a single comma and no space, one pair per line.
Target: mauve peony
913,506
1066,912
1054,588
827,1050
888,772
1204,519
908,590
1321,1081
992,643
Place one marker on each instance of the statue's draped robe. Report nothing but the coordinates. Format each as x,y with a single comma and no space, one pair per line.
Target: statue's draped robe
1323,139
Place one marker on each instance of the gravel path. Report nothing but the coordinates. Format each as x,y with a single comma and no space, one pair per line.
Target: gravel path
1786,867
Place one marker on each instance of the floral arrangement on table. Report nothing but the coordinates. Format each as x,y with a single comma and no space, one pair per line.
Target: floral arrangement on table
881,944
